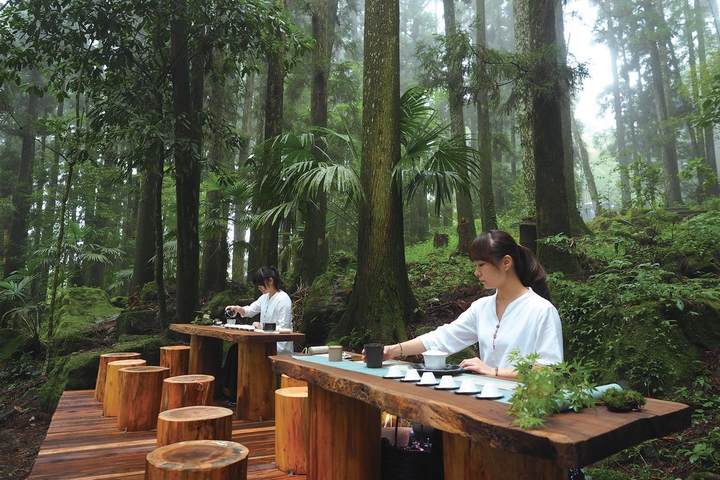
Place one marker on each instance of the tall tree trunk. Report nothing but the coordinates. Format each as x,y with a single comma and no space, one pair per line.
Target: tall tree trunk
22,192
381,301
187,169
587,171
314,252
620,143
577,224
465,215
667,134
238,251
523,19
143,269
268,247
551,198
709,136
97,219
487,199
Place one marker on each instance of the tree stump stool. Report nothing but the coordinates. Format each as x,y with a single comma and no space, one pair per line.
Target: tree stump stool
291,429
194,423
187,391
111,400
176,358
286,382
198,460
139,391
105,358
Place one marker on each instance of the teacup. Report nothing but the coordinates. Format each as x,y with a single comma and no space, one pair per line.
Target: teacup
467,386
435,359
411,375
428,379
490,390
447,381
230,321
394,371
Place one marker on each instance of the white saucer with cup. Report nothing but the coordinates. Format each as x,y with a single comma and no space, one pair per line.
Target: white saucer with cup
490,391
447,382
394,371
411,375
427,379
467,387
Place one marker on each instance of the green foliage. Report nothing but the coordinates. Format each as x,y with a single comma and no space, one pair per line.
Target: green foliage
646,183
636,318
547,389
622,400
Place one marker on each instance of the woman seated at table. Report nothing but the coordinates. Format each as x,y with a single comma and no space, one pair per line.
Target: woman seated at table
518,316
274,305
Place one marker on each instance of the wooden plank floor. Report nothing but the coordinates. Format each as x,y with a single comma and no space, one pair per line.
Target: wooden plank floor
82,444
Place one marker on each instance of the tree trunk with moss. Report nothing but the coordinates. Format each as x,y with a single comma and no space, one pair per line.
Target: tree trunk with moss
546,124
381,301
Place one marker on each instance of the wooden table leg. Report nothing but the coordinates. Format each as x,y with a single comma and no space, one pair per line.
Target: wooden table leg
344,437
206,356
256,381
465,459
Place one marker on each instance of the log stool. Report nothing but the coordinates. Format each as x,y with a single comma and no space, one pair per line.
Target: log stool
291,429
105,358
198,460
194,423
139,390
176,358
111,400
187,391
286,381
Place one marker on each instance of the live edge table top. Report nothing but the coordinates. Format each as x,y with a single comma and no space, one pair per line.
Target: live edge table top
236,335
570,439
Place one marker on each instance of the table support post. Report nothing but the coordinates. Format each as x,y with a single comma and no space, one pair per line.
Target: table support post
344,437
464,459
256,381
205,360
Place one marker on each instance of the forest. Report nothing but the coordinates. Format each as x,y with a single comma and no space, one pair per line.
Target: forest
162,152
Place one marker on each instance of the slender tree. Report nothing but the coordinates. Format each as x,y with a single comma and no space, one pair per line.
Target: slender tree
381,301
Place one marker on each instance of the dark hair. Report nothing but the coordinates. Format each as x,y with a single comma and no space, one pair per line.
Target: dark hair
266,273
493,245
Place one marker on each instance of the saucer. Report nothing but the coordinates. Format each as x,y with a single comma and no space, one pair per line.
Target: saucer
467,393
438,387
395,377
448,370
497,397
414,380
420,384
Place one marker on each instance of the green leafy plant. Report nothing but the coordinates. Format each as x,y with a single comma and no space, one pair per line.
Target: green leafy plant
545,390
617,400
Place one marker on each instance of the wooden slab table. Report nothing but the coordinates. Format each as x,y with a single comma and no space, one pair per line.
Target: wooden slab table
479,441
256,381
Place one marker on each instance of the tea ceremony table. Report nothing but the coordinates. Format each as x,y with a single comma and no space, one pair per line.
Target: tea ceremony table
479,442
256,381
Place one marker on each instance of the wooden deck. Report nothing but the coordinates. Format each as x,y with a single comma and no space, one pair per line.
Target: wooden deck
82,444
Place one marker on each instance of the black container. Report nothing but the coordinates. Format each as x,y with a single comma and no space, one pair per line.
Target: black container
269,326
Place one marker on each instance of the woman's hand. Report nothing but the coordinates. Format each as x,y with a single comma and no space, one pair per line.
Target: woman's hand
257,326
476,365
236,308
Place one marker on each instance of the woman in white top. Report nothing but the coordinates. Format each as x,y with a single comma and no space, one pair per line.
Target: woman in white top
274,305
518,316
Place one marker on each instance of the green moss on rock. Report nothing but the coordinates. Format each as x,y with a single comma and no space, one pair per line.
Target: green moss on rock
80,308
12,345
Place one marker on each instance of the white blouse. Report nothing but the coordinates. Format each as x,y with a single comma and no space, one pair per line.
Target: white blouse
278,309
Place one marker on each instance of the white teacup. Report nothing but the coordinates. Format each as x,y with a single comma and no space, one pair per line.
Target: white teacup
447,381
428,379
435,359
394,371
412,375
490,390
468,386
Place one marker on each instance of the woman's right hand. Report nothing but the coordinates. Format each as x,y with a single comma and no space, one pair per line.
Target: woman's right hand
235,308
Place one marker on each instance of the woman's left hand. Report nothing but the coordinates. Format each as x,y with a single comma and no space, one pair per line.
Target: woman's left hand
476,365
257,325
